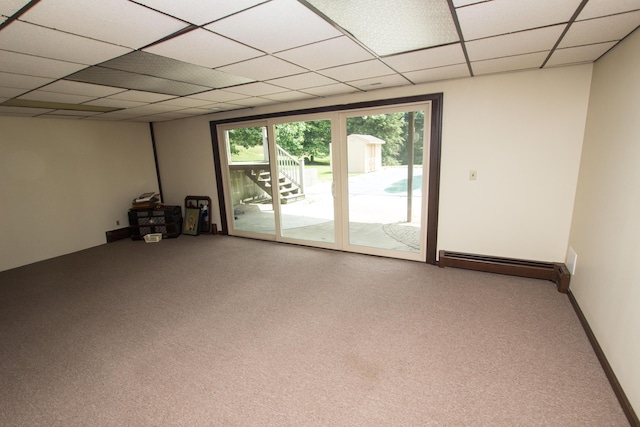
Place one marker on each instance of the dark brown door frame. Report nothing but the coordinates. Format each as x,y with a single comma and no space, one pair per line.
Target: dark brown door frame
434,155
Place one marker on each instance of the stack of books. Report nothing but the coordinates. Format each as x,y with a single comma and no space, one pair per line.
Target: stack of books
146,201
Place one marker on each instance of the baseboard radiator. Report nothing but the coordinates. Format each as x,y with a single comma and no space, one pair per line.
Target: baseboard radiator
120,233
553,271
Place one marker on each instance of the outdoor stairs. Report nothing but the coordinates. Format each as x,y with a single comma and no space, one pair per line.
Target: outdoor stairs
289,191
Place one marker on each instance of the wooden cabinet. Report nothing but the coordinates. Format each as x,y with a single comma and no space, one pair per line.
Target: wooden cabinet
166,220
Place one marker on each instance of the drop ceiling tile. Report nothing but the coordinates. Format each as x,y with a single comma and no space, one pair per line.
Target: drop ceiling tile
141,96
574,55
202,47
392,27
275,26
428,58
253,102
217,96
542,39
18,63
9,7
440,73
184,102
380,82
598,8
256,89
496,17
599,30
168,68
334,89
47,43
199,12
10,92
263,68
73,113
115,21
325,54
511,63
21,111
302,81
289,96
20,81
116,103
126,80
361,70
79,88
40,95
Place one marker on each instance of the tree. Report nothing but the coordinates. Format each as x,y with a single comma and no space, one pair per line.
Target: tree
244,137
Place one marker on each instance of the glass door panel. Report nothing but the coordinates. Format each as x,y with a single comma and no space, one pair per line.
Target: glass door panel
250,183
385,182
305,180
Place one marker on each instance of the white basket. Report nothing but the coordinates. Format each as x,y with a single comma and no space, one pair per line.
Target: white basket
153,237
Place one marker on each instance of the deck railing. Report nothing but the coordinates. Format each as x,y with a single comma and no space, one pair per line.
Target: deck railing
290,167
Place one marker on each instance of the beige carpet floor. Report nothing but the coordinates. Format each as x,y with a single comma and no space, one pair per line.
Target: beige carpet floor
224,331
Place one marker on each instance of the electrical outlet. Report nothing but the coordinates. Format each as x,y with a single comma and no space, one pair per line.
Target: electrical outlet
473,175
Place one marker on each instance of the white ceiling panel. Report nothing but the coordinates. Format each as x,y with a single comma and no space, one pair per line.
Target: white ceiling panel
256,89
115,103
35,66
597,8
334,89
199,12
21,81
263,68
302,81
459,3
275,26
573,55
10,92
9,7
139,96
217,96
598,30
289,96
375,83
39,41
506,16
40,95
329,53
428,58
511,63
121,21
202,47
392,27
254,102
21,111
542,39
440,73
184,102
79,88
366,69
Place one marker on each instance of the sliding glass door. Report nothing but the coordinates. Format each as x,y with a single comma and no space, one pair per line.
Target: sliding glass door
352,181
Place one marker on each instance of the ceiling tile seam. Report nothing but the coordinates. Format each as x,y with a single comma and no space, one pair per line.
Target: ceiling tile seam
579,9
518,32
422,49
75,35
619,41
456,22
185,30
45,57
510,56
18,13
306,45
607,16
434,68
338,27
299,74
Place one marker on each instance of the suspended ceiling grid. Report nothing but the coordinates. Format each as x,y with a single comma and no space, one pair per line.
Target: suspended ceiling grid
156,60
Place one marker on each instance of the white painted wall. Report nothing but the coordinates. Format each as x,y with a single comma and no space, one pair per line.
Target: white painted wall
64,183
521,131
185,159
605,232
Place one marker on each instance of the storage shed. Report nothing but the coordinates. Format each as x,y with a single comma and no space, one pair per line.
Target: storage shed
364,153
